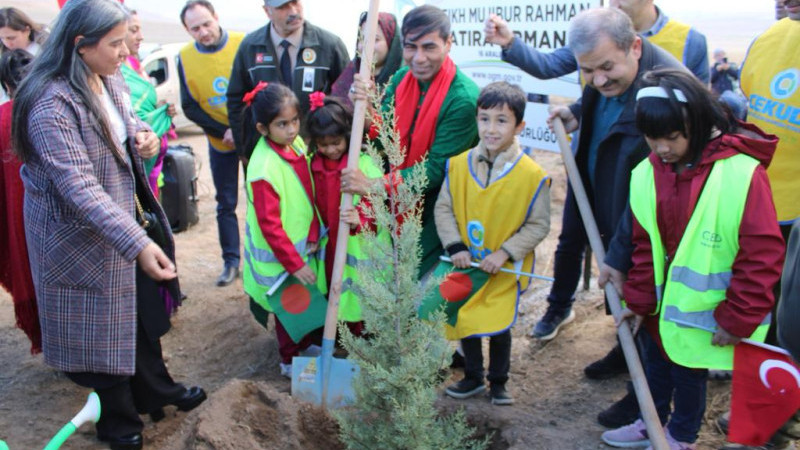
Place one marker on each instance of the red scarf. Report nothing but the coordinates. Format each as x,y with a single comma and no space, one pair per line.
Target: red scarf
15,271
418,142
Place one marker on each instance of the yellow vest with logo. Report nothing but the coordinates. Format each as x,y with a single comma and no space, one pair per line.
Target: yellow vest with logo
770,78
262,270
698,277
207,76
493,308
672,38
349,305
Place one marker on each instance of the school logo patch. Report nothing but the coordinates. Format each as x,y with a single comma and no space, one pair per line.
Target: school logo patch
475,232
220,85
784,84
309,55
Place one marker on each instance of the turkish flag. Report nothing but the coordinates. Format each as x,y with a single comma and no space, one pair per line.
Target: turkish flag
766,392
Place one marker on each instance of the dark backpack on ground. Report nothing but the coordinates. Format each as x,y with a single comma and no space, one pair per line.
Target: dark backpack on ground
179,192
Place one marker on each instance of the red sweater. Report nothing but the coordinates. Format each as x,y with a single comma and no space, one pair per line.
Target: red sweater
757,266
266,202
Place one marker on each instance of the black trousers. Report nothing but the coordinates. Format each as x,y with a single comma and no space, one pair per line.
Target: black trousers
499,358
123,398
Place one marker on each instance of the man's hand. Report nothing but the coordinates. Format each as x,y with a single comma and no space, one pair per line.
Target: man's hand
155,263
497,31
146,144
462,259
355,182
565,114
305,275
227,138
608,273
493,263
722,338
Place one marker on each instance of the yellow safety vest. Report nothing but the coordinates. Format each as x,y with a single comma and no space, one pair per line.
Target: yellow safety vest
672,38
698,277
207,76
493,308
349,305
770,79
261,267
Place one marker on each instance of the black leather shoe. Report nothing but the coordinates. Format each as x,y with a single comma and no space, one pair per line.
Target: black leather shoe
227,276
129,442
609,366
190,399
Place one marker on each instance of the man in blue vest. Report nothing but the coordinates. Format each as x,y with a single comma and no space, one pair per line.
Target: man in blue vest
204,67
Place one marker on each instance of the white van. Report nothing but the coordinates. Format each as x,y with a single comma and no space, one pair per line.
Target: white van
161,65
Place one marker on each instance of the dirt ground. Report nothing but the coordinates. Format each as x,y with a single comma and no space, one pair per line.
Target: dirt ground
216,343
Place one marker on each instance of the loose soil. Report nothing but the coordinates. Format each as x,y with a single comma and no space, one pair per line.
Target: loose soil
216,343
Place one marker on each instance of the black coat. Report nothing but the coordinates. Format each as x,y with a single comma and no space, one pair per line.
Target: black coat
622,148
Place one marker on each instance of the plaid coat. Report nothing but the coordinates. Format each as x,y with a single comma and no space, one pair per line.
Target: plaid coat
82,233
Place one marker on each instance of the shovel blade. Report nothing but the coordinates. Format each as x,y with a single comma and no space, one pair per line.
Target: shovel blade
308,379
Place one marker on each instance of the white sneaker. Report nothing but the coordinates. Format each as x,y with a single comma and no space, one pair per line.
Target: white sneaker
286,370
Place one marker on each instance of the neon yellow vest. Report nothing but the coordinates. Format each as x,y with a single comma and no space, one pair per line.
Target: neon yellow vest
349,304
207,76
699,276
672,38
262,269
493,308
770,78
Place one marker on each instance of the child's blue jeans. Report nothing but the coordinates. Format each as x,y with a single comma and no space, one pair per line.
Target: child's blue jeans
670,382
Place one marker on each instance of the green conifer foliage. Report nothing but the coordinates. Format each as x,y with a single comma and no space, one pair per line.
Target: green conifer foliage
401,359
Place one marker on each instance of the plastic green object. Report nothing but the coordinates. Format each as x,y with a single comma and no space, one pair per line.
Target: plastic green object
89,413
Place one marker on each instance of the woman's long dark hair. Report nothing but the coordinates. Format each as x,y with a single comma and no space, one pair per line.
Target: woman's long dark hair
696,119
59,58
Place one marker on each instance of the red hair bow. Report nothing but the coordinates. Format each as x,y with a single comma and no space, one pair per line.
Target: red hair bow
316,99
248,98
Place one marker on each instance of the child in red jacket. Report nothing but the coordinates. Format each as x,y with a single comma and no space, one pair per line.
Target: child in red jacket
707,248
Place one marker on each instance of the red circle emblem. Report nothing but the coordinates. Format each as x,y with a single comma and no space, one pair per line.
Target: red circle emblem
456,287
295,299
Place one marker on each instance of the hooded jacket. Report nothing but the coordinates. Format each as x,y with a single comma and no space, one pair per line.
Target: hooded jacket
757,266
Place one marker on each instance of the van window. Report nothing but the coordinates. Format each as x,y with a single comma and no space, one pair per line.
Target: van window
157,70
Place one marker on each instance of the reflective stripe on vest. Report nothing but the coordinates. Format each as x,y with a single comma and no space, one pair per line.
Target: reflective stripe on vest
672,38
700,273
770,78
261,267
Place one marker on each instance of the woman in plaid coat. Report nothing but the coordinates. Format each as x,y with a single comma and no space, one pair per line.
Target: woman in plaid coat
101,278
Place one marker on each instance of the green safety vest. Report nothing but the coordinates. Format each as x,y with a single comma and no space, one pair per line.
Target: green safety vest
349,305
261,267
699,275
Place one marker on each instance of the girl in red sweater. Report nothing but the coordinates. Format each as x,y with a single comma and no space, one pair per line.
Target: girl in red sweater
707,248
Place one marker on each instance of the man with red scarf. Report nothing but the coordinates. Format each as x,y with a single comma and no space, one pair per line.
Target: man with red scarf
435,107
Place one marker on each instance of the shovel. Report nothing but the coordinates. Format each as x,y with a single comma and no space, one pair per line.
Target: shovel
649,415
325,380
89,413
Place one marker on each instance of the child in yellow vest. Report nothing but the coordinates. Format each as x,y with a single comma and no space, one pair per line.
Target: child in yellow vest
494,208
282,227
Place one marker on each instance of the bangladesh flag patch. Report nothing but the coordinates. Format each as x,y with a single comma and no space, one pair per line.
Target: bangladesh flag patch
300,307
458,286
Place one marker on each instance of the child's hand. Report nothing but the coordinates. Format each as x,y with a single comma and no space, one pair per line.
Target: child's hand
627,314
349,215
461,259
305,275
723,338
493,263
312,247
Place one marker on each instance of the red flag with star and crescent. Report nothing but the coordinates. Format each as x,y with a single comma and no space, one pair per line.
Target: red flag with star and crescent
766,392
457,287
300,307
